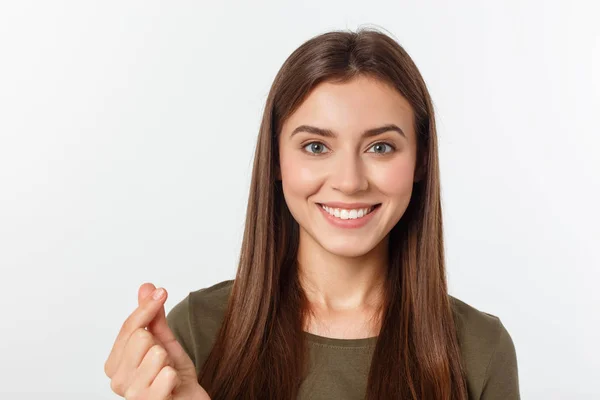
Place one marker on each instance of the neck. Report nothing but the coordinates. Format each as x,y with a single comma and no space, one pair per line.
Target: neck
337,283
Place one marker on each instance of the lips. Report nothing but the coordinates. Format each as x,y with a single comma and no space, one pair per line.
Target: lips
345,213
348,206
353,215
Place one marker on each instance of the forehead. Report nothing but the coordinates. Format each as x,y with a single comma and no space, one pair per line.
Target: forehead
353,106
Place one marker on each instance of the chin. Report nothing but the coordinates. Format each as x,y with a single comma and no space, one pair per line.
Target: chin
344,247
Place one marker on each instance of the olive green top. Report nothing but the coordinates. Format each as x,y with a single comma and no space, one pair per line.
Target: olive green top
339,367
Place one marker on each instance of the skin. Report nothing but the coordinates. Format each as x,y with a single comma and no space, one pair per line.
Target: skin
146,360
343,269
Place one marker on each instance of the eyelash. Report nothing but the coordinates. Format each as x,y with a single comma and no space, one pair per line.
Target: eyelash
393,148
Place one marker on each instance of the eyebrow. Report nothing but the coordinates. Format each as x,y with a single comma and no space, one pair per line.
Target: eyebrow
331,134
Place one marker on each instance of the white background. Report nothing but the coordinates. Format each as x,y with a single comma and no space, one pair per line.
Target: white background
127,130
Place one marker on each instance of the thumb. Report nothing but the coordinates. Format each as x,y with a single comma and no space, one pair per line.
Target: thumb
159,328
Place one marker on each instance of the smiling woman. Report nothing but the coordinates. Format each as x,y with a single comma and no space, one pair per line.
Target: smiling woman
341,291
348,121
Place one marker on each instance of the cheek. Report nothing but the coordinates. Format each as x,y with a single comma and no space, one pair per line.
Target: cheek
300,177
395,179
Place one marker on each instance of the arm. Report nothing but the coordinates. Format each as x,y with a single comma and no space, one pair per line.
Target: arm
502,378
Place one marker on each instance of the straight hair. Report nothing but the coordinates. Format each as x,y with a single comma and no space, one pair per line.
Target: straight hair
260,349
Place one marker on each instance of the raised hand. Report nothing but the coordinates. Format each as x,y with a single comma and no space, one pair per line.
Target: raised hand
146,361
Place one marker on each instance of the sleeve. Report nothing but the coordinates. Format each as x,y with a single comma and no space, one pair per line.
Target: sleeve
502,377
178,320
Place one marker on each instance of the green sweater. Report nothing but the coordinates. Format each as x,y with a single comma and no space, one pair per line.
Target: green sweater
339,367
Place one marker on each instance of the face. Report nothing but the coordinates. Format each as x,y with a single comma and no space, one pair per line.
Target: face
347,164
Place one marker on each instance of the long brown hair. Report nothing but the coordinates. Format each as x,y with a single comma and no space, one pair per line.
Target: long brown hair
259,351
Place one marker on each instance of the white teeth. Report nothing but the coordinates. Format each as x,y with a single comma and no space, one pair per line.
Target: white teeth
347,214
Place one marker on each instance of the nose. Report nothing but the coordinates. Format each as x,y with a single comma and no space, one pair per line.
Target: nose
348,174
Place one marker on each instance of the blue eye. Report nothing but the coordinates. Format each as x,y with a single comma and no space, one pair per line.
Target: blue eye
381,148
316,148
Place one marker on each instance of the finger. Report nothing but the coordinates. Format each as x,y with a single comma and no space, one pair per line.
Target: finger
154,360
156,326
162,332
139,343
139,318
144,291
160,328
164,384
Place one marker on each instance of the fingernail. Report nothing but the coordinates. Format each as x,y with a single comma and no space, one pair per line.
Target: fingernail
158,294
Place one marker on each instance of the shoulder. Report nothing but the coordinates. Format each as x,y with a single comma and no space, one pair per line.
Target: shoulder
196,319
479,327
209,302
212,299
488,352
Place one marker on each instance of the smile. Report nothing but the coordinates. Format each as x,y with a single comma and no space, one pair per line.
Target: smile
352,216
343,213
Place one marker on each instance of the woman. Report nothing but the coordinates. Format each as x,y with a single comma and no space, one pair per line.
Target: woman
340,291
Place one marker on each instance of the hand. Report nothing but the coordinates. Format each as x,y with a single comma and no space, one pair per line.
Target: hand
146,361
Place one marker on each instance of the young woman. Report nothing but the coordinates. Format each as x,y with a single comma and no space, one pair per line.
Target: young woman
340,291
